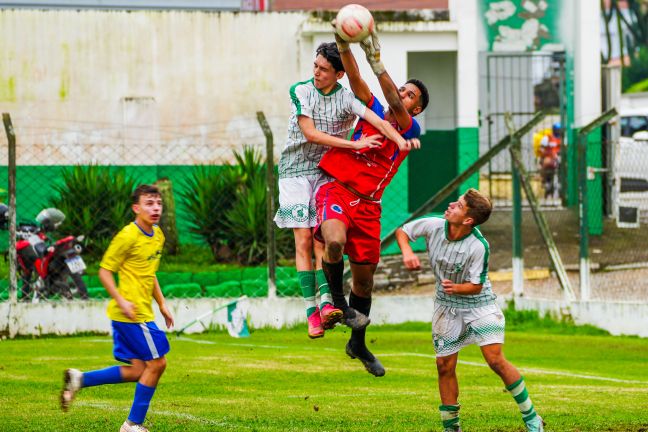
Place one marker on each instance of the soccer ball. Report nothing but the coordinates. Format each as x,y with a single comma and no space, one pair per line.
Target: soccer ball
354,23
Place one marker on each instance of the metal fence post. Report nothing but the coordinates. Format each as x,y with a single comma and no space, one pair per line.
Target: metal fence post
270,193
583,202
11,139
518,258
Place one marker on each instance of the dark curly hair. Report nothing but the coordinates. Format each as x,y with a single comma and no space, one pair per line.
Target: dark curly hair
329,51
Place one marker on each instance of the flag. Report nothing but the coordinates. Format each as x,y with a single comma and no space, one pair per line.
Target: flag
237,320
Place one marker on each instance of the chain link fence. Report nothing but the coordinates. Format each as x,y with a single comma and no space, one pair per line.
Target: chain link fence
213,181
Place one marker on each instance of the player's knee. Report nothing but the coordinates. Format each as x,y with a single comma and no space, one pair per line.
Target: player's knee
334,250
157,366
444,366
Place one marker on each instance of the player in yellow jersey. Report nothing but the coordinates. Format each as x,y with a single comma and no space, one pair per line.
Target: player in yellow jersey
134,254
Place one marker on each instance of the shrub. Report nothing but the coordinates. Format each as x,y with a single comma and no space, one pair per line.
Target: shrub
207,196
227,207
96,203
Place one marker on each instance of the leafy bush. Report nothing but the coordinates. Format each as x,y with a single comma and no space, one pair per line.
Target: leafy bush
227,208
208,195
96,203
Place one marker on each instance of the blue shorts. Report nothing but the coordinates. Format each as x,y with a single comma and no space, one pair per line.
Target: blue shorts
141,341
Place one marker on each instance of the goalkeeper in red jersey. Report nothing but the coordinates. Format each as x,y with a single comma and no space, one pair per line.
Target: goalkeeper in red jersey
349,208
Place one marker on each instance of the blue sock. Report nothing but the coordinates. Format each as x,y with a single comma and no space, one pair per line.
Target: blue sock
109,375
143,396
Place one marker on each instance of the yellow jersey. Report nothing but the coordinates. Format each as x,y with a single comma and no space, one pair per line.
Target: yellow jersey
135,256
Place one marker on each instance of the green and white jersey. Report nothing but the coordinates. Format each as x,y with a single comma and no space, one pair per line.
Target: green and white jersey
461,261
333,114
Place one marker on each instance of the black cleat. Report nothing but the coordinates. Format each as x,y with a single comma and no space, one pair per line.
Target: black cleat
370,362
354,319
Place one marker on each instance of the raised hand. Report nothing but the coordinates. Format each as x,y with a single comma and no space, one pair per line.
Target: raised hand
371,46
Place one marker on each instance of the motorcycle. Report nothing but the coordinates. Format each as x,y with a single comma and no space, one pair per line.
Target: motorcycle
46,266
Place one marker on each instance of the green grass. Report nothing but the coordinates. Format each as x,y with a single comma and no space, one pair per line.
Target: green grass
278,380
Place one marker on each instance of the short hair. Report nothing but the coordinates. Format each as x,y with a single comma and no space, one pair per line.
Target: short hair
144,189
329,51
425,96
479,206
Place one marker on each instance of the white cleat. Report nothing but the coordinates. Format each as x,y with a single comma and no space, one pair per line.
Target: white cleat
72,381
132,428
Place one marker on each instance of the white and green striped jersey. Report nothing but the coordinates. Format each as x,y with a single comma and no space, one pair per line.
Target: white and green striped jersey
461,261
333,114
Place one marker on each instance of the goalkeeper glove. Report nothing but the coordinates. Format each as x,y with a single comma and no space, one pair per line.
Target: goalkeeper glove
371,46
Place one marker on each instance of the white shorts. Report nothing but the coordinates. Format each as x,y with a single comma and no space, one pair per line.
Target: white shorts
454,328
297,201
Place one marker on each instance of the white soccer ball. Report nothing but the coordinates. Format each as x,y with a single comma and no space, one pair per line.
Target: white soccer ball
354,23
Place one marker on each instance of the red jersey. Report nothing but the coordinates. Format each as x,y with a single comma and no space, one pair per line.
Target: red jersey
368,171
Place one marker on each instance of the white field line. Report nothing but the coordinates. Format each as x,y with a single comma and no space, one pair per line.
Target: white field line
432,356
180,415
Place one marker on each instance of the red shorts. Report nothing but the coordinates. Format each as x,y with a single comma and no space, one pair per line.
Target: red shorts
361,218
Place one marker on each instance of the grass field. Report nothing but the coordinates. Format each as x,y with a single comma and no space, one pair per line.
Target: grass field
281,381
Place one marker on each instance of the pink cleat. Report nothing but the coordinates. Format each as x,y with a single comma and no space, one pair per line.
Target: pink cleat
315,329
330,316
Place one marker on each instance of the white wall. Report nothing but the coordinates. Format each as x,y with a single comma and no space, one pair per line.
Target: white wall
77,316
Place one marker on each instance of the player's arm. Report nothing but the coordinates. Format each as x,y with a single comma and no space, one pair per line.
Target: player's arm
358,86
107,279
371,47
312,134
466,288
388,131
410,259
159,298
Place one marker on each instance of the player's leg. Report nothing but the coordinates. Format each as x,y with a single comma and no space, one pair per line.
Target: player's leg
329,314
514,383
333,221
487,325
151,346
304,264
449,392
74,380
296,211
360,300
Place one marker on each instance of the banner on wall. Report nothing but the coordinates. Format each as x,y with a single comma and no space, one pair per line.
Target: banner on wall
522,25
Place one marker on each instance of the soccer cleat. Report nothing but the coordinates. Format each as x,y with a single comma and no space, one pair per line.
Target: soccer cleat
355,319
370,362
315,329
451,430
72,381
536,424
330,316
132,428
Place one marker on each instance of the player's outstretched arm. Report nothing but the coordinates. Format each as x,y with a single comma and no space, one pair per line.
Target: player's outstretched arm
371,47
388,131
358,86
159,298
316,136
410,260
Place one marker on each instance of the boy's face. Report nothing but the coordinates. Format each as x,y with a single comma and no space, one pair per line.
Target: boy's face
457,213
149,208
411,97
324,75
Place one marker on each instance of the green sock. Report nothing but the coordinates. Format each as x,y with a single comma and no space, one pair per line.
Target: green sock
521,395
450,417
307,283
323,287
